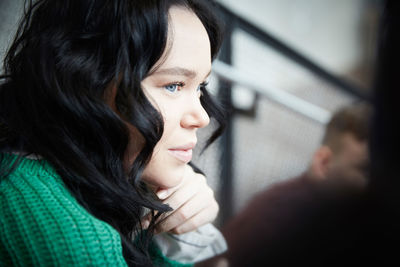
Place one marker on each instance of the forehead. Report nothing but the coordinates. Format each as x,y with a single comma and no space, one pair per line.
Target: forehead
188,45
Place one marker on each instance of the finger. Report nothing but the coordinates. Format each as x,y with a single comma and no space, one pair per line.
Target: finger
177,200
176,197
163,193
181,196
207,215
145,223
193,186
145,220
193,206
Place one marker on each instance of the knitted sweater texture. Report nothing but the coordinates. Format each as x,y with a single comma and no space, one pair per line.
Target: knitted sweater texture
42,224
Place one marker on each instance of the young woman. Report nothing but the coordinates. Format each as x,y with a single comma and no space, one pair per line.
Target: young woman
99,107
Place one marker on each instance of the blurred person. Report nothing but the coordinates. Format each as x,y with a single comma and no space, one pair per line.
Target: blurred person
344,148
341,161
333,224
100,104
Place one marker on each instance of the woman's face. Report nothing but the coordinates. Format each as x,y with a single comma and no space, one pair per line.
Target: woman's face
173,88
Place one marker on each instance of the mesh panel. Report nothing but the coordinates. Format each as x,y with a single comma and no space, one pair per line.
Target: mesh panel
277,143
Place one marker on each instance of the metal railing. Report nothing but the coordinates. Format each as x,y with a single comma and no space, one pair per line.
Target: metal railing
229,75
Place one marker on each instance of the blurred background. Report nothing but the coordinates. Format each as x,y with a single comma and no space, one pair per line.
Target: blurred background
285,66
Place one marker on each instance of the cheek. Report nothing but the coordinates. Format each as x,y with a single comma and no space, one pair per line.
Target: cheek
171,111
162,172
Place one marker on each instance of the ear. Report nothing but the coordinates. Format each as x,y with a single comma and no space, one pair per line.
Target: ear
320,162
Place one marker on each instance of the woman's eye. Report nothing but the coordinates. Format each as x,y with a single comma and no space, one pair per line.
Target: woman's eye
174,87
202,86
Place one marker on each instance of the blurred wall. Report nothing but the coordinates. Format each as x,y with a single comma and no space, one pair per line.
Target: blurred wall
339,35
277,143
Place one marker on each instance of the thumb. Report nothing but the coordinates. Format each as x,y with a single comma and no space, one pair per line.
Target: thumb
162,194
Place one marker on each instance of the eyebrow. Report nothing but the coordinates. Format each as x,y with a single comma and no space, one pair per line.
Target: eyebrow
179,71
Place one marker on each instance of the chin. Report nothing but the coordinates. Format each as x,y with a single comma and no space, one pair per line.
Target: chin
164,177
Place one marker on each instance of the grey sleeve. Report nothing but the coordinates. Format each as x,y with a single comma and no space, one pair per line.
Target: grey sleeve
198,245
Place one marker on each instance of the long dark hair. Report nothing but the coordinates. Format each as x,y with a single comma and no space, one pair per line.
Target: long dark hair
64,58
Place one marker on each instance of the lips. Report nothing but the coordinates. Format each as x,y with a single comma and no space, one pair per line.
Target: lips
183,153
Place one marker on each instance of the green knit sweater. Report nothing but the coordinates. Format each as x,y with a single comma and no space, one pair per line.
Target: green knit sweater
42,224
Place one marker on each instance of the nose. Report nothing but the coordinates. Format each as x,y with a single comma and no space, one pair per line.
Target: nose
195,116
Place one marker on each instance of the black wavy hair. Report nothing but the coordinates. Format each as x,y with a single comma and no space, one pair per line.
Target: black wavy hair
57,71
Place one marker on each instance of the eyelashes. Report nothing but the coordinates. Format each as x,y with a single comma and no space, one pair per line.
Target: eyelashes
178,86
202,86
174,87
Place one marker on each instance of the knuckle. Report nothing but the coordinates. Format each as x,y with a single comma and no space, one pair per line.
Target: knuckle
178,231
183,214
216,206
201,178
159,228
210,191
208,195
187,227
215,212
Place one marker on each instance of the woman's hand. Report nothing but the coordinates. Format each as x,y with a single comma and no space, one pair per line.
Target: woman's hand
193,205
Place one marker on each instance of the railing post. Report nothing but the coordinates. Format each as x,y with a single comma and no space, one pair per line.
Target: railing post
225,193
